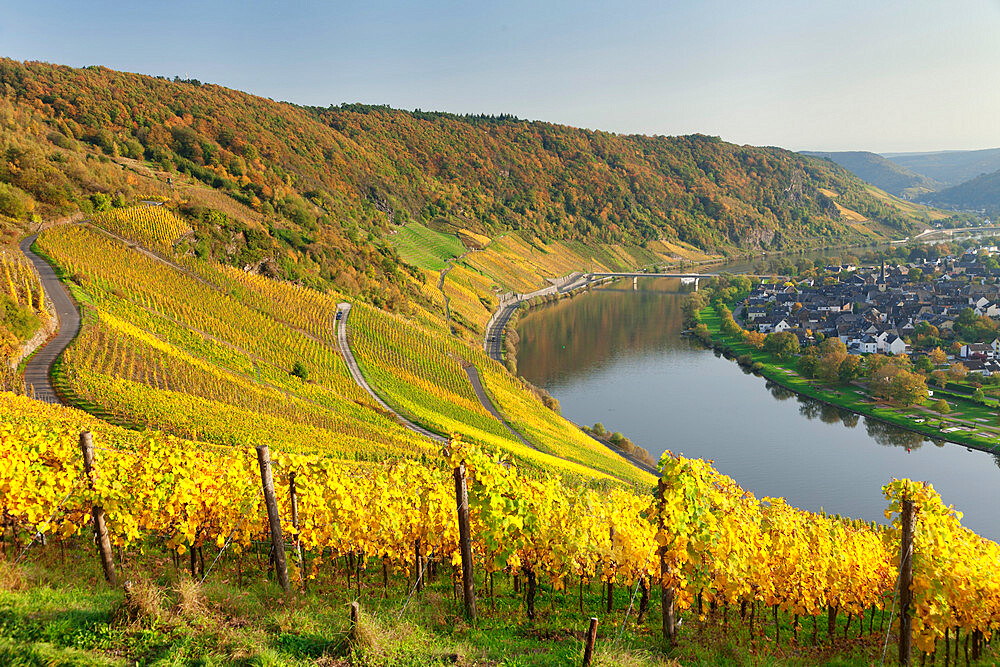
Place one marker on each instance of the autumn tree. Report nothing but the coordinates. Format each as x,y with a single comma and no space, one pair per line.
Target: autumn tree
957,371
892,383
850,369
782,344
833,352
754,339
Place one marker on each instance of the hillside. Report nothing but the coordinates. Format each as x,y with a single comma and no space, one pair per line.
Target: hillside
949,167
313,194
881,172
198,349
982,192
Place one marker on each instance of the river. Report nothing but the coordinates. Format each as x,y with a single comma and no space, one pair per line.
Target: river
616,356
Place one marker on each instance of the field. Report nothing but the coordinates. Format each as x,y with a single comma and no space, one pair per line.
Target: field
419,372
210,352
425,248
202,350
916,211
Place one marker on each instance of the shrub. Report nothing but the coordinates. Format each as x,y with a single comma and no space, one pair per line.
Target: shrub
300,370
598,429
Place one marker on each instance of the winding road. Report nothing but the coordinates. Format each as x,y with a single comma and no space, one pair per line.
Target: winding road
488,405
343,310
37,380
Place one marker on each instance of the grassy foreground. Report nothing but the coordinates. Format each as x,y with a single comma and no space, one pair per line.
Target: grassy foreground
55,609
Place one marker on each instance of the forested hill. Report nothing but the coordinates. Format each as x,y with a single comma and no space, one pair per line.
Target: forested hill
982,192
881,172
325,186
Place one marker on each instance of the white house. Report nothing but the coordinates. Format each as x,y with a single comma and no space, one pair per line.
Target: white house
896,346
781,325
971,350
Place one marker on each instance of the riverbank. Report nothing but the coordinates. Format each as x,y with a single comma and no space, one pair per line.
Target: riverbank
847,397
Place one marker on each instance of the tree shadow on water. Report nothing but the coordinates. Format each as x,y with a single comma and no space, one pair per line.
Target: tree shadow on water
891,436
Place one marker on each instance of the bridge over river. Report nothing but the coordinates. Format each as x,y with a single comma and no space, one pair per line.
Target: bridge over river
686,278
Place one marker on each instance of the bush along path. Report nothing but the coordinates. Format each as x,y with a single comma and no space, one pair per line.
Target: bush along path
37,370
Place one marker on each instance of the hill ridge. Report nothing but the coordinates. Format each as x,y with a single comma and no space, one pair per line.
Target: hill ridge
311,194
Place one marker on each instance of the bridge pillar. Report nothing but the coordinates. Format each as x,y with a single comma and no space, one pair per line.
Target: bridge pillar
635,283
696,284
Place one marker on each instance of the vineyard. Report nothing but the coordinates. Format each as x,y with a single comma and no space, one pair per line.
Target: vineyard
154,227
207,351
699,540
22,313
20,282
163,347
205,363
420,373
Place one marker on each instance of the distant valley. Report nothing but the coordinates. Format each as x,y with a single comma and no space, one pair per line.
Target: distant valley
960,180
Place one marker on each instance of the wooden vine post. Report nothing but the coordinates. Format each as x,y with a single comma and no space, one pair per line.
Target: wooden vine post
418,566
667,593
465,541
277,544
100,526
588,651
355,620
294,501
905,582
611,580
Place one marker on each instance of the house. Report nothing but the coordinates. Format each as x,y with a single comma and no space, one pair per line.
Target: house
977,366
896,346
868,345
981,351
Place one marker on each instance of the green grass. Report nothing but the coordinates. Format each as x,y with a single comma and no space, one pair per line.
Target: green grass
785,373
55,609
425,248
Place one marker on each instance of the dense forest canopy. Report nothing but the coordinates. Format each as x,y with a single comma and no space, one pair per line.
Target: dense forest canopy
312,193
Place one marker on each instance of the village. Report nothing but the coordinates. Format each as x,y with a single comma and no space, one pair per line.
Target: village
951,301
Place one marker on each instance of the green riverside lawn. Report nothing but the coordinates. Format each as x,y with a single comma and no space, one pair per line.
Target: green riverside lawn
857,400
55,609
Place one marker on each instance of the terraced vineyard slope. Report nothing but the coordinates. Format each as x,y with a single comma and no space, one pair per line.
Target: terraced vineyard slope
202,350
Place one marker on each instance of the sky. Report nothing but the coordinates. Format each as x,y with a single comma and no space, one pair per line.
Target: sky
884,76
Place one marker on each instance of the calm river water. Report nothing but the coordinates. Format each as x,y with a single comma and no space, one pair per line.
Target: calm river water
615,356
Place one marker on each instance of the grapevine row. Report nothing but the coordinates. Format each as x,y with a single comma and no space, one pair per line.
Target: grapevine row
699,535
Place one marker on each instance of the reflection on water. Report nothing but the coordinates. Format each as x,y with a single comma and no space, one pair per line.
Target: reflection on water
890,436
591,328
617,357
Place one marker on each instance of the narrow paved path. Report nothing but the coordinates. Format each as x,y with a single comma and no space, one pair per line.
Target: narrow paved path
36,371
487,402
494,331
344,310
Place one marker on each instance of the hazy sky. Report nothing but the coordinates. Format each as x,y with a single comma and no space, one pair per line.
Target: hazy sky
880,75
